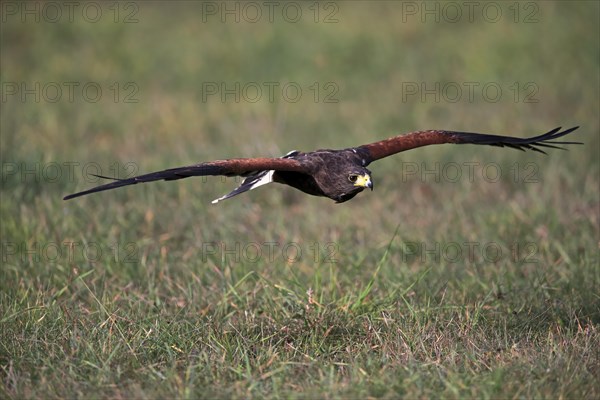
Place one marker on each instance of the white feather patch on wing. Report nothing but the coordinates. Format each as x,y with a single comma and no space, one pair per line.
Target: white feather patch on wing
253,180
249,183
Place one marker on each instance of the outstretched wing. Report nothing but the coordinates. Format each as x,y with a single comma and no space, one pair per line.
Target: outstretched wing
413,140
232,167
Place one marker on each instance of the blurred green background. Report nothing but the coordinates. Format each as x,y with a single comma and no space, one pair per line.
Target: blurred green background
366,58
366,71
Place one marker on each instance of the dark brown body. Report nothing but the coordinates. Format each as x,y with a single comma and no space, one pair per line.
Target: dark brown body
328,172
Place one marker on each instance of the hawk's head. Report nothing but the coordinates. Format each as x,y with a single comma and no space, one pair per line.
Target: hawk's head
352,183
361,180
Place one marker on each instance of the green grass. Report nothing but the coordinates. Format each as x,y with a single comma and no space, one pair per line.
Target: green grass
479,288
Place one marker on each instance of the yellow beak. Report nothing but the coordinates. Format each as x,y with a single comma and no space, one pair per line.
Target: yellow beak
364,181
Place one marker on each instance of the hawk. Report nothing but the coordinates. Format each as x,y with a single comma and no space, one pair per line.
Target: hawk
337,174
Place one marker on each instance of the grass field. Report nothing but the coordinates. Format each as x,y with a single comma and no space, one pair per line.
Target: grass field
469,272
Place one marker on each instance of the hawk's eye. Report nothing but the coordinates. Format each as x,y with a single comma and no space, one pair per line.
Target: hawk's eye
352,178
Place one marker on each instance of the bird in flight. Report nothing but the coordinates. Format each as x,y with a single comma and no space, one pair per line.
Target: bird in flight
337,174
